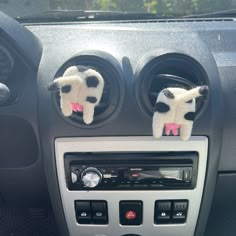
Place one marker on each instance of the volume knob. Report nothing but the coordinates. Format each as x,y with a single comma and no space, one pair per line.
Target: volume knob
91,177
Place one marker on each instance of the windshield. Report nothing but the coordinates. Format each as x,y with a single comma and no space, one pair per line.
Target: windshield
164,8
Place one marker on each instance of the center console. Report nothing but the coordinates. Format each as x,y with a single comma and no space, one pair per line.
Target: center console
115,186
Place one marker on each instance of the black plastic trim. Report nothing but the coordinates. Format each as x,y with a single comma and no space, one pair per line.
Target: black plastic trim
26,43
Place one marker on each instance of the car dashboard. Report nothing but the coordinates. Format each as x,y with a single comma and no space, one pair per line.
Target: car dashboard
45,155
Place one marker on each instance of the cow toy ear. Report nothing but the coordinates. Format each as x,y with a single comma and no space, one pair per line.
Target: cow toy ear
174,111
53,87
81,89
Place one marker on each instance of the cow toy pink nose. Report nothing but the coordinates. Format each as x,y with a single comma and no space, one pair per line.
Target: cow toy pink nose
76,107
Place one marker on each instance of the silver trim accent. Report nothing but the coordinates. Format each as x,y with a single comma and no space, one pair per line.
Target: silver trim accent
91,179
131,144
107,176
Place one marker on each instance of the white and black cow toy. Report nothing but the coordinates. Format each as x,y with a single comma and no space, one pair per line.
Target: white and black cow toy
80,89
175,111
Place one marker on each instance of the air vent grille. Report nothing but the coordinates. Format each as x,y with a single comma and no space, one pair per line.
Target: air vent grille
170,70
6,64
12,71
113,92
159,82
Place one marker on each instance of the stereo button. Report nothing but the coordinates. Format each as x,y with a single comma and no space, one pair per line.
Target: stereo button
74,177
106,181
114,181
91,177
135,175
114,173
187,175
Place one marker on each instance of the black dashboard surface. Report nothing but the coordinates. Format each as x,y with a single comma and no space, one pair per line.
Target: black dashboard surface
127,47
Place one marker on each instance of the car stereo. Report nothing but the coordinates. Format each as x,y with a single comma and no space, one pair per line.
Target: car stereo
131,171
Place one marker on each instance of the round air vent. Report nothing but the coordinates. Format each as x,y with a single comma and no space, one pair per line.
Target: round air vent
6,64
113,93
168,70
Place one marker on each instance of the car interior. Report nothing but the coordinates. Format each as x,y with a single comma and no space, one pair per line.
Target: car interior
117,118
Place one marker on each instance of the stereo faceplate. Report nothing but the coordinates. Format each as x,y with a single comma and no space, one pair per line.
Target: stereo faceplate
131,171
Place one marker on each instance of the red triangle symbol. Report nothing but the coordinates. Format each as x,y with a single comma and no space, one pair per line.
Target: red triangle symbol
130,215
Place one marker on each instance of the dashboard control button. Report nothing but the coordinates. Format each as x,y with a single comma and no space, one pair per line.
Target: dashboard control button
91,177
106,181
157,186
114,181
162,212
131,212
140,186
187,174
74,177
99,212
135,175
180,209
114,173
83,212
130,215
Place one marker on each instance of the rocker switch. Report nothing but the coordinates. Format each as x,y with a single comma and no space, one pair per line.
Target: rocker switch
83,212
99,212
180,209
162,212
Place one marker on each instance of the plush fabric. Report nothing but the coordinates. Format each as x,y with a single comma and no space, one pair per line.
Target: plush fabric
81,90
175,111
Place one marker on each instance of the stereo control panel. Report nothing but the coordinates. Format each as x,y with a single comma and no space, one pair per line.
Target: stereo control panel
97,178
131,171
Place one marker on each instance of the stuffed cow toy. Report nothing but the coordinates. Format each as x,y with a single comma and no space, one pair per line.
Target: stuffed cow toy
81,90
175,111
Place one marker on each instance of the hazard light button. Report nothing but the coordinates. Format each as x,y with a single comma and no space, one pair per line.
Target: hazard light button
131,212
130,215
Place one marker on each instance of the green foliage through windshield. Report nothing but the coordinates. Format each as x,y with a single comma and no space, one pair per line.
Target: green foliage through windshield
162,7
